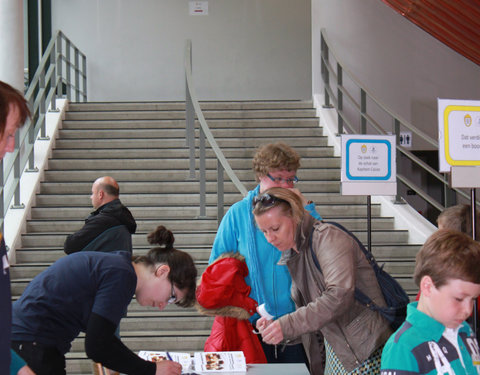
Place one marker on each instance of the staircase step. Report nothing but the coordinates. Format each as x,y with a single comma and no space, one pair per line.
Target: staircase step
187,212
243,152
166,134
180,105
159,143
49,254
174,163
180,114
77,200
194,238
70,226
180,123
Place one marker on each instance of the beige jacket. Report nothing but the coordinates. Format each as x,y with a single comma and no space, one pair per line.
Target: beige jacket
325,301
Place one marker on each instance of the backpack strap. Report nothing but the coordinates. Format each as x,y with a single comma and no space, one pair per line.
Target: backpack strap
359,295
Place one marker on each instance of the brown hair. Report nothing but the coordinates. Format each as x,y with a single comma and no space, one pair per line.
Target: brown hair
9,95
289,203
459,218
275,156
183,272
446,255
112,190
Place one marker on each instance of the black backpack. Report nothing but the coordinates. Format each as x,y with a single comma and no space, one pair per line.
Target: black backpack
395,296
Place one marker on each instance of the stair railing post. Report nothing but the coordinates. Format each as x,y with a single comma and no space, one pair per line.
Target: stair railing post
396,131
53,80
68,69
220,193
77,75
325,72
339,98
84,71
363,109
59,60
16,174
31,138
189,115
43,109
369,222
202,174
31,141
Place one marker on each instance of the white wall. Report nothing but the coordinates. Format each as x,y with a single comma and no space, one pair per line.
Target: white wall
397,61
243,49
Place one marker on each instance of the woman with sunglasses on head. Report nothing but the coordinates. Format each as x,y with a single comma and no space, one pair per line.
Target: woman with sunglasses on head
90,292
275,165
324,294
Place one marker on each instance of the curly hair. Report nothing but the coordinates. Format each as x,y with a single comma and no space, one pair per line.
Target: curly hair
275,156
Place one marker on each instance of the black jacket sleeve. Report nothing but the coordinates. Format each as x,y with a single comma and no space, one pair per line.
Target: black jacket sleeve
101,345
92,229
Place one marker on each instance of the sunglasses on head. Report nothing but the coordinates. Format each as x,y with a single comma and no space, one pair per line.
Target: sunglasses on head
266,200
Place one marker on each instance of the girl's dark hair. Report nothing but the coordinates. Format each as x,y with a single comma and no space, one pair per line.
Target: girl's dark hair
183,273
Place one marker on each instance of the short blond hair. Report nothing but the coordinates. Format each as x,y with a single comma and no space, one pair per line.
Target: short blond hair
275,156
446,255
459,217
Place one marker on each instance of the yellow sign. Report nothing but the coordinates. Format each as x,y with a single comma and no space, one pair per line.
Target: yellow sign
461,132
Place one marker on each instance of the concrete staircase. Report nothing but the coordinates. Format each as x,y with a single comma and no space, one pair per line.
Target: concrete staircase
142,145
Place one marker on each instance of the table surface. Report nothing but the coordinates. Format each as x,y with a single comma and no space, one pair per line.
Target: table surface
269,369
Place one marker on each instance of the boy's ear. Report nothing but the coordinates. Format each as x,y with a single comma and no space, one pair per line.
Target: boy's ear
426,285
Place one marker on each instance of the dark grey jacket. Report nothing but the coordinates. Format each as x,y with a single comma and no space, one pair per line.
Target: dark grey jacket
325,300
109,228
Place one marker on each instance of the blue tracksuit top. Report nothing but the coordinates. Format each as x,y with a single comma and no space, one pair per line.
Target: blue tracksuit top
269,281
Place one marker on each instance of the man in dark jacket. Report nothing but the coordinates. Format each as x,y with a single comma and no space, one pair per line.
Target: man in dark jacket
109,227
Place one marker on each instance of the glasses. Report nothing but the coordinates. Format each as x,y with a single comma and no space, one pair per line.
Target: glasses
266,200
173,297
280,180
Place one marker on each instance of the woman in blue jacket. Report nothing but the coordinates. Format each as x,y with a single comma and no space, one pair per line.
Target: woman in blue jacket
275,165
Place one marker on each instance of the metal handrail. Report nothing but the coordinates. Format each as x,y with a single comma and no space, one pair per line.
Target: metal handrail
192,106
337,101
53,73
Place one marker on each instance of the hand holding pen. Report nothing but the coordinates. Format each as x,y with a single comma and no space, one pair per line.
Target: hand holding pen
169,367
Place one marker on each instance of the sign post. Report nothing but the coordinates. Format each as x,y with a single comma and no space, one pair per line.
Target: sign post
368,168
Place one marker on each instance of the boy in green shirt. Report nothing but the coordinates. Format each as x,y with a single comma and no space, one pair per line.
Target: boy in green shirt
435,339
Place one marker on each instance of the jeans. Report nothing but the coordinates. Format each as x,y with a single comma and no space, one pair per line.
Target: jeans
285,353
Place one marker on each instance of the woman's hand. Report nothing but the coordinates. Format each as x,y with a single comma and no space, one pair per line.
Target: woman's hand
25,370
168,368
272,334
262,323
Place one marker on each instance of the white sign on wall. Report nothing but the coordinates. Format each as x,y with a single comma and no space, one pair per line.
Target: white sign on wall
368,165
198,8
458,133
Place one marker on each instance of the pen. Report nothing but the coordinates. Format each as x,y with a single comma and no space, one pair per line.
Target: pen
169,356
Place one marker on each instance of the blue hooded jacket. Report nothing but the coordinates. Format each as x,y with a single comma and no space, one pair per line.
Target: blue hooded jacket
269,281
